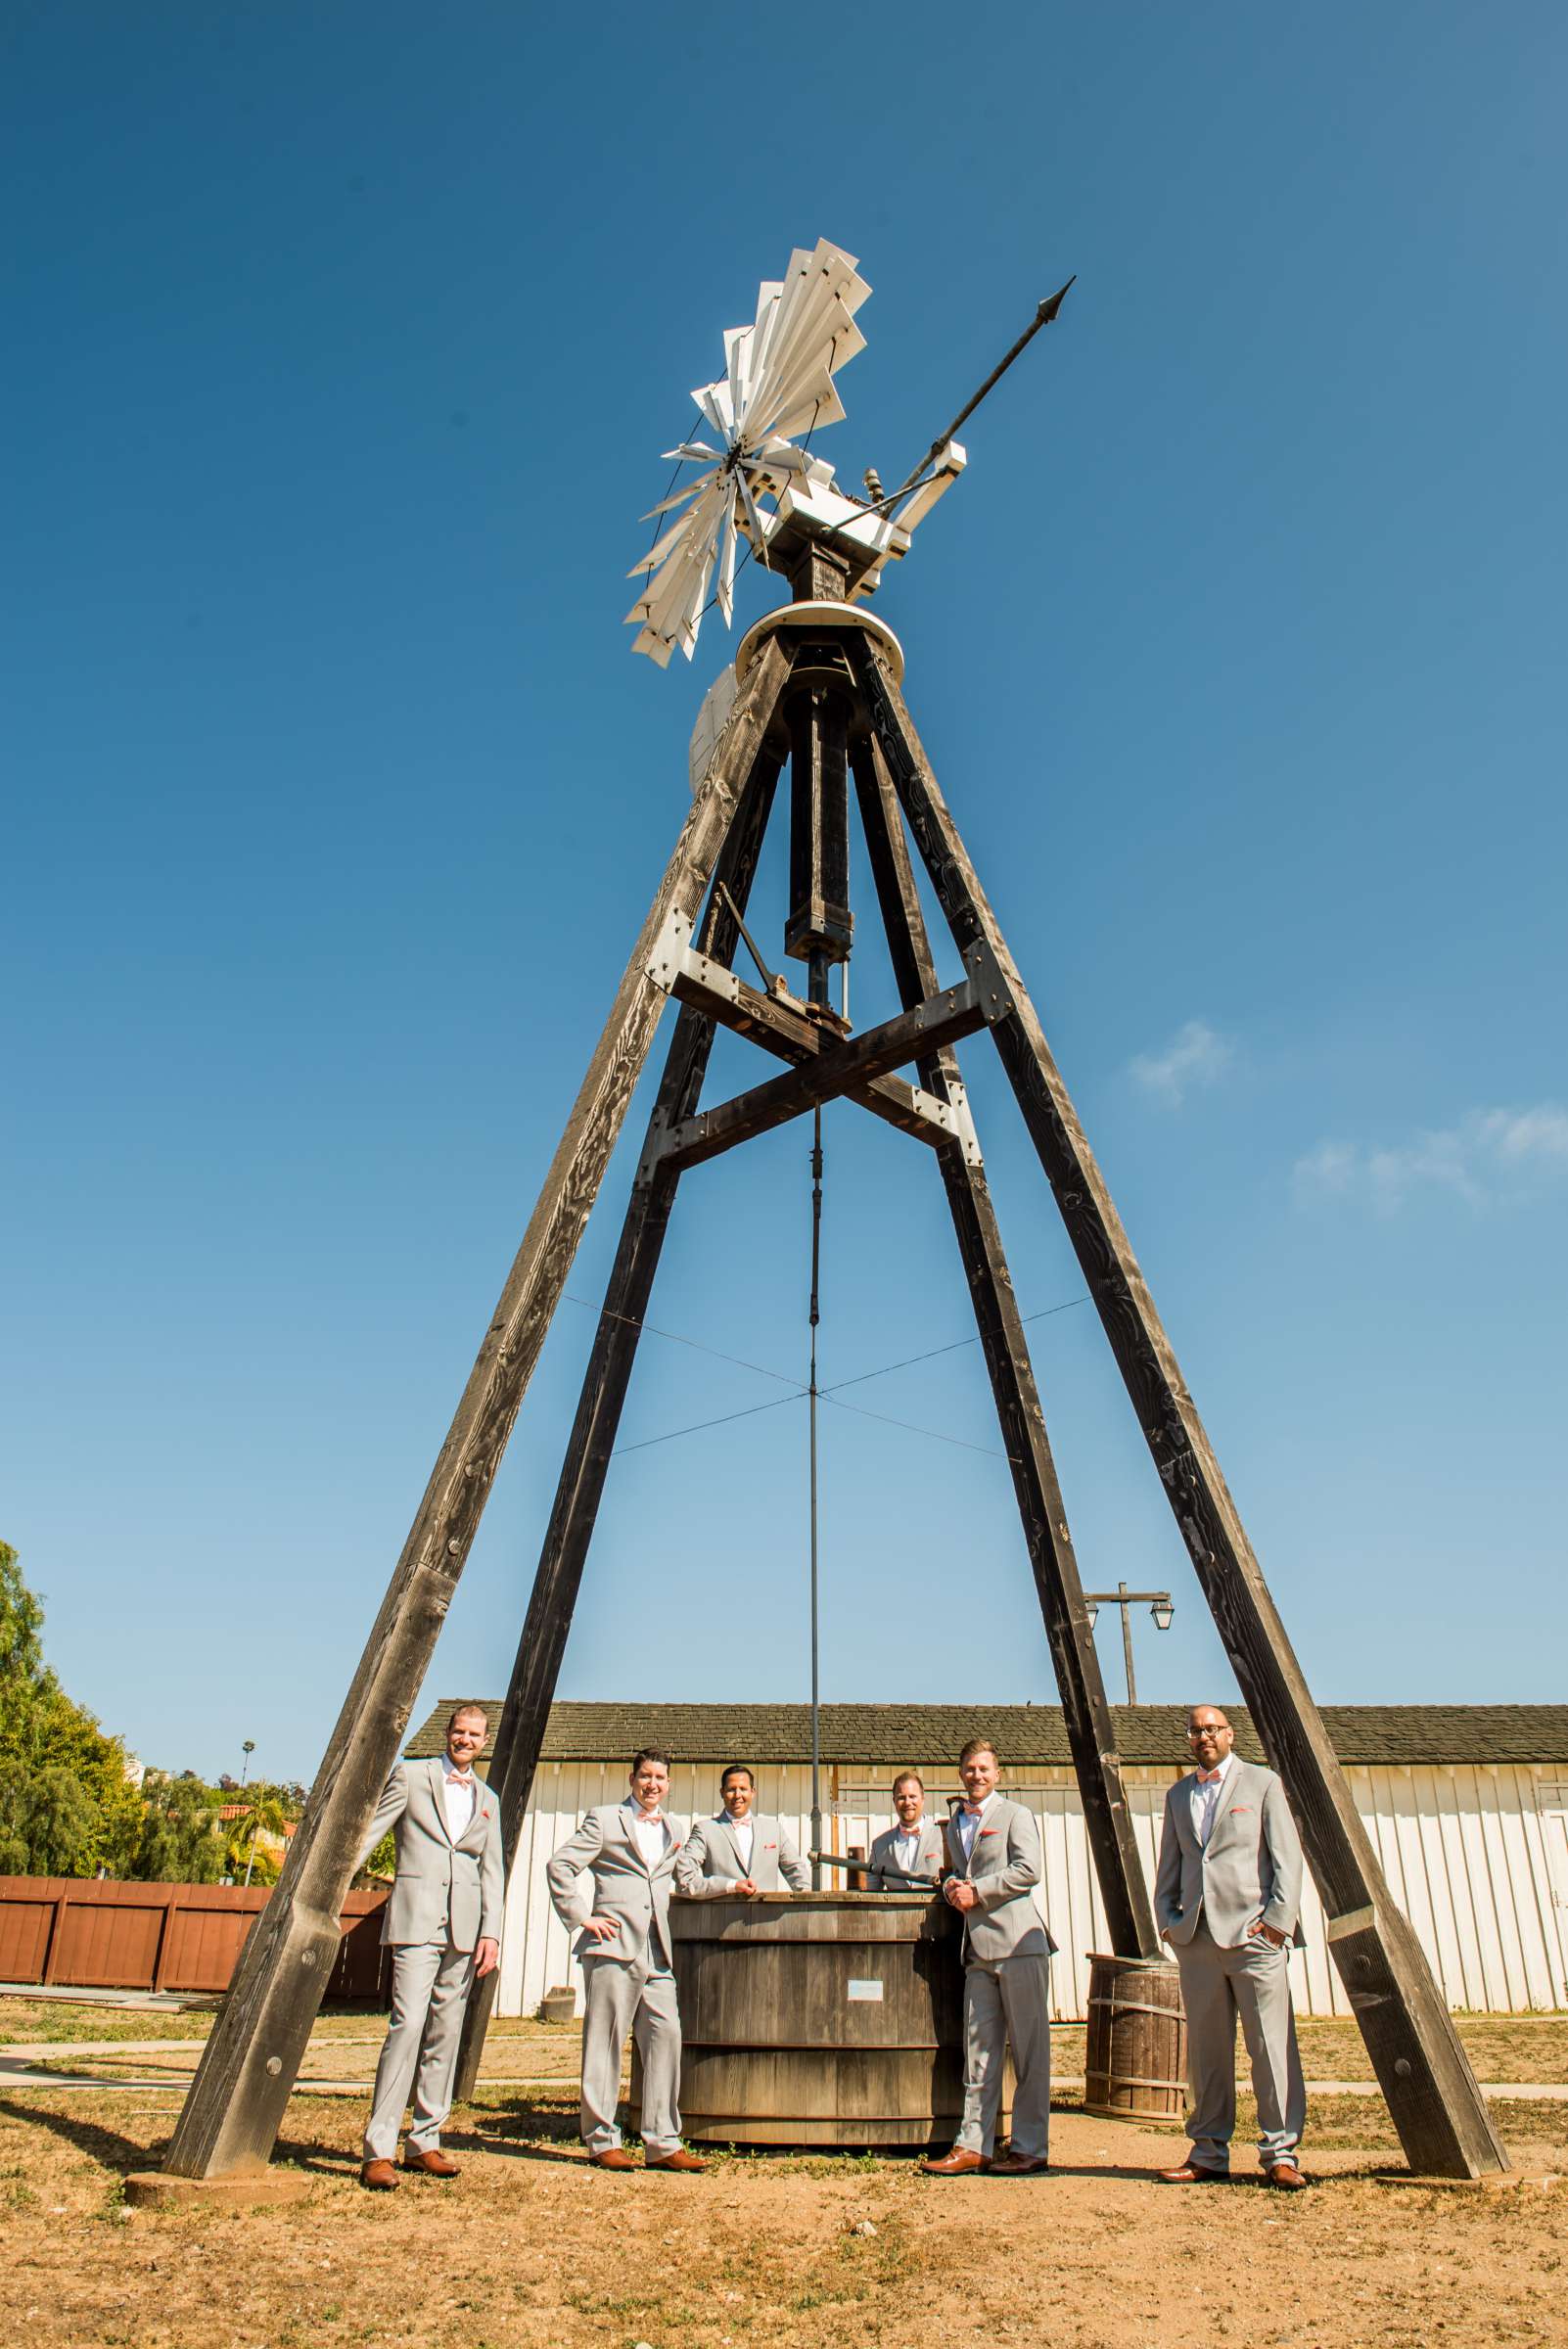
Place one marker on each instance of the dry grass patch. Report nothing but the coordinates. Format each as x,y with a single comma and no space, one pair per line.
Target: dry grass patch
530,2249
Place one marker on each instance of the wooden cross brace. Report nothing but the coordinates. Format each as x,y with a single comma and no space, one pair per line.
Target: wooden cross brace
829,1068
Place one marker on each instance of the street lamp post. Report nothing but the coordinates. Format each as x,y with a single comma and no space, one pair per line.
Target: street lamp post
1160,1605
248,1749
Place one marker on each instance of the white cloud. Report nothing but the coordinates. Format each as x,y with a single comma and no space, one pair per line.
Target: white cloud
1490,1156
1194,1057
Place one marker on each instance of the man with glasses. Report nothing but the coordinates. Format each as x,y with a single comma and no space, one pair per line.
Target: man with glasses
1227,1899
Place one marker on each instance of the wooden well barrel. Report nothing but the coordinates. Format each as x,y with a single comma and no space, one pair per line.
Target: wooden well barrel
820,2018
1135,2058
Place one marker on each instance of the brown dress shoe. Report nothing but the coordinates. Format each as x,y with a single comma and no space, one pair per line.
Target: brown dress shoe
379,2176
1193,2173
613,2157
680,2159
959,2163
1019,2165
1284,2175
429,2161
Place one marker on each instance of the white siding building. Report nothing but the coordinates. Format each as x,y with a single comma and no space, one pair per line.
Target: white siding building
1466,1806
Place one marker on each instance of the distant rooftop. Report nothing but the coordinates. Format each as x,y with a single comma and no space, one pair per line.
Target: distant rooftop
1147,1736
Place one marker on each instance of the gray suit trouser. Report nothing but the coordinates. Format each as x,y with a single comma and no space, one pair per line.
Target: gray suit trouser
1252,1980
430,1991
1008,2002
633,1998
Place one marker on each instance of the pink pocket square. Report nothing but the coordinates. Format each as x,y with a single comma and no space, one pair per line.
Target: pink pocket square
770,1847
1240,1810
991,1830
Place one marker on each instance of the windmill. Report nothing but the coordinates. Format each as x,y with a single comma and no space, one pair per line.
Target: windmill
818,685
777,381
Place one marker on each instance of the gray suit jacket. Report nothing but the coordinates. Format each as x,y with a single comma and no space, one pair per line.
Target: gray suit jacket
599,1871
931,1854
1251,1865
1004,1868
443,1891
712,1862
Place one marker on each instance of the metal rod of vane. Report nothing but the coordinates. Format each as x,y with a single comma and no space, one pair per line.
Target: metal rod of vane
1044,316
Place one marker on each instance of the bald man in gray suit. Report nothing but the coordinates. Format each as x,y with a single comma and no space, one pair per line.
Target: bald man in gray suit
1227,1899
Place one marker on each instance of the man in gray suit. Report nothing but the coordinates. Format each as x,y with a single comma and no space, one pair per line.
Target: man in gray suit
742,1851
444,1924
994,1849
914,1848
613,1878
1227,1899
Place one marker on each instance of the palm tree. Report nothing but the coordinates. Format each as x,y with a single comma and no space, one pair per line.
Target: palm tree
263,1816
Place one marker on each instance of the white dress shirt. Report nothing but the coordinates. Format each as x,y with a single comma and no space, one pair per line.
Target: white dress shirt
650,1835
970,1825
744,1832
1204,1798
459,1793
905,1844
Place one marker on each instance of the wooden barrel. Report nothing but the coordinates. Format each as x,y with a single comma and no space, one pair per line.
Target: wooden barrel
820,2018
1135,2060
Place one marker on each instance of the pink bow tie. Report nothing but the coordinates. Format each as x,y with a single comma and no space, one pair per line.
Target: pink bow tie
650,1818
1210,1778
456,1778
973,1809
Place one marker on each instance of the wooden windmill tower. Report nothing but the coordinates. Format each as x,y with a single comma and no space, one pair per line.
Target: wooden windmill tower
819,687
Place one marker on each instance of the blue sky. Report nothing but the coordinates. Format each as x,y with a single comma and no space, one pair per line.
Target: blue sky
349,340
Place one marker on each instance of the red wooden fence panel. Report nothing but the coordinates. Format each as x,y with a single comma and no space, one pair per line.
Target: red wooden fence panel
85,1935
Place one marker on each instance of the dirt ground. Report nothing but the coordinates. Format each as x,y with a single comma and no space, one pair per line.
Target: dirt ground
530,2247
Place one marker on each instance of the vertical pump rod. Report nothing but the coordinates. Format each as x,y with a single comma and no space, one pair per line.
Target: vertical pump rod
811,1391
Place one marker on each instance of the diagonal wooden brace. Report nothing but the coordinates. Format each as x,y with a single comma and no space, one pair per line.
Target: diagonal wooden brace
785,1028
940,1019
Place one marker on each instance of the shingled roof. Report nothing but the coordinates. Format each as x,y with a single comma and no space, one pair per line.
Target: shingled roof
1151,1735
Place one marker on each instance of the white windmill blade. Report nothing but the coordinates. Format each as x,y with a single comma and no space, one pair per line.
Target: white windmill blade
679,528
726,566
777,381
668,505
812,320
712,400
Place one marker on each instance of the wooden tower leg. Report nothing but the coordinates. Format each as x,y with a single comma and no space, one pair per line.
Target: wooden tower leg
230,2119
519,1732
1432,2093
1090,1730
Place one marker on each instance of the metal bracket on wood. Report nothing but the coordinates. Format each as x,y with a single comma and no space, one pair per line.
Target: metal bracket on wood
789,1030
977,1001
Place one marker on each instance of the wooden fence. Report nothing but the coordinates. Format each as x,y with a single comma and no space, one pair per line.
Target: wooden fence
79,1933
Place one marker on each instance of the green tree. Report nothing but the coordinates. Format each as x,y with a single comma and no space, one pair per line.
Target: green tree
66,1806
22,1664
179,1841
